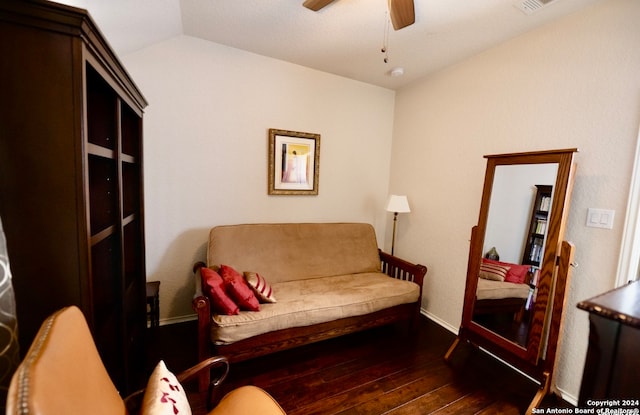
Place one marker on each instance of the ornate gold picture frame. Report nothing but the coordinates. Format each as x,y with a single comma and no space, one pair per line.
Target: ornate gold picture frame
294,162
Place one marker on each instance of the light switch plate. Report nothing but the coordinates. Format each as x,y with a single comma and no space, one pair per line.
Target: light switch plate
600,218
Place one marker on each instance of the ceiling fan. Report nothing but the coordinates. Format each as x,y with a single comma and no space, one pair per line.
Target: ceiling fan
401,11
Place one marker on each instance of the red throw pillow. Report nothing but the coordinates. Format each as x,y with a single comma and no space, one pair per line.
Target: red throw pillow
238,289
229,273
213,287
517,273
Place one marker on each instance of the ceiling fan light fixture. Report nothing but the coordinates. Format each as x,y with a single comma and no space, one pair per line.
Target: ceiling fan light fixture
397,71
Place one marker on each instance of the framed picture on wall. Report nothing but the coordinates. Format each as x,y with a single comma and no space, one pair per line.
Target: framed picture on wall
294,162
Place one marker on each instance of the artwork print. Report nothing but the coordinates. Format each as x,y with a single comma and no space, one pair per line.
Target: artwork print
293,162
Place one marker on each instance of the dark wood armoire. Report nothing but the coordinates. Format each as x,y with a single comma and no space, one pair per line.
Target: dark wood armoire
612,367
71,196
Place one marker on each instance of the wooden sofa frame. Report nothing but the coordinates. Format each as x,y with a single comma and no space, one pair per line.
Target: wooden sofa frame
297,336
513,306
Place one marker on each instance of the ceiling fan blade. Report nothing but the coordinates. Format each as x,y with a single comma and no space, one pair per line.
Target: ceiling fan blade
316,5
402,13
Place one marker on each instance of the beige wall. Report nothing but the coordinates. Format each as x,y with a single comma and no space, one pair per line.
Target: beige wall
206,150
573,83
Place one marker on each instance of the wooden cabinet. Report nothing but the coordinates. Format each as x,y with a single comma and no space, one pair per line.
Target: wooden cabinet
71,189
537,230
612,367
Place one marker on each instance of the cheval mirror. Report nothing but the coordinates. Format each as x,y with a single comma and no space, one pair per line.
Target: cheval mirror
519,265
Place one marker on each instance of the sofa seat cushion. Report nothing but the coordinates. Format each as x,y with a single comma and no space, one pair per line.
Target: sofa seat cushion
491,290
313,301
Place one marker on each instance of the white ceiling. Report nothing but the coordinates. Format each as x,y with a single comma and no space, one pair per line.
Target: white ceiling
344,38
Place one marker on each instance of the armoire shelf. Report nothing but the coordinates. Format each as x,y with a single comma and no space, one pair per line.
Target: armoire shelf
71,187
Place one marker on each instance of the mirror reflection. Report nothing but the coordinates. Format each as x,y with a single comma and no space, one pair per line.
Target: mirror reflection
513,248
524,237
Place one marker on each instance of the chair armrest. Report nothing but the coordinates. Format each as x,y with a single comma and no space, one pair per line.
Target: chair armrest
207,364
133,402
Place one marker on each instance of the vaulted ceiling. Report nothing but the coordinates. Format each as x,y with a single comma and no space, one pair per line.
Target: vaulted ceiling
344,38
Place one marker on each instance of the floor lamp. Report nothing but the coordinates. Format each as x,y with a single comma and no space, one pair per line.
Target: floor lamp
397,204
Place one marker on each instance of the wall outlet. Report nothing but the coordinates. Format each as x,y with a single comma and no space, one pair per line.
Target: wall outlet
600,218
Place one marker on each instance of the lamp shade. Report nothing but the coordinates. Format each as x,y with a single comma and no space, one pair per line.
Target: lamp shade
398,204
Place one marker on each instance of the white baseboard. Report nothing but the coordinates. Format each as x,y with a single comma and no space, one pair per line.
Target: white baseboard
439,321
175,320
566,396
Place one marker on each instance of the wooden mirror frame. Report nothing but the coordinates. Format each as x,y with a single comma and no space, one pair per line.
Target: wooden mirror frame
538,357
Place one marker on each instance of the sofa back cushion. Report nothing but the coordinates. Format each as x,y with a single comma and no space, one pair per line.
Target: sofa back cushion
292,251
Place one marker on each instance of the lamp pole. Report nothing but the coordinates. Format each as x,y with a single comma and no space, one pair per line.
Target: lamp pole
393,237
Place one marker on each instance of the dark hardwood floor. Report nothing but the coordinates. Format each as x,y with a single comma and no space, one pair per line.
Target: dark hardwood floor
388,370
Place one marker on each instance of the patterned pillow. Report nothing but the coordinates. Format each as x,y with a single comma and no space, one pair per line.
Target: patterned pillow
517,273
164,394
260,286
214,287
238,289
495,272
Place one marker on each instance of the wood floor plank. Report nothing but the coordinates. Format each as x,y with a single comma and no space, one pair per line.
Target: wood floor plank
384,392
387,370
431,401
403,393
501,408
340,402
390,371
468,404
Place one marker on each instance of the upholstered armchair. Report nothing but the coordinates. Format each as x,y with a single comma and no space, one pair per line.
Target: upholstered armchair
62,373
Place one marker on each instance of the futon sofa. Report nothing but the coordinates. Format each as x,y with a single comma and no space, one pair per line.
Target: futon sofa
503,288
327,279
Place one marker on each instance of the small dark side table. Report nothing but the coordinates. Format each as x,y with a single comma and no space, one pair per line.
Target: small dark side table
153,303
612,366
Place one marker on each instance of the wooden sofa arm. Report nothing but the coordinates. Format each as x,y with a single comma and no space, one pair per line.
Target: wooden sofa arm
202,307
133,402
401,269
